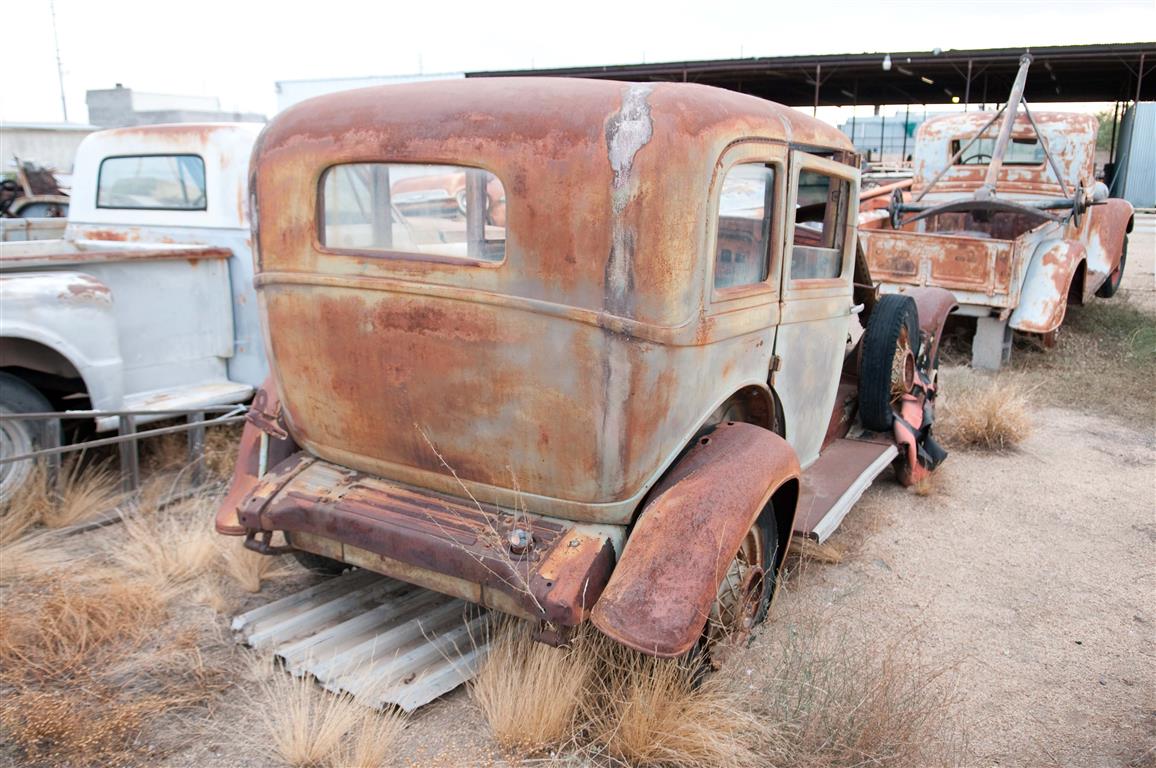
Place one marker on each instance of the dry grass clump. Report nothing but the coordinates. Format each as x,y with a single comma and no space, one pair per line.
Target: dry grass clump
985,412
246,568
68,626
167,549
840,701
529,692
221,444
84,493
806,548
306,727
644,711
601,700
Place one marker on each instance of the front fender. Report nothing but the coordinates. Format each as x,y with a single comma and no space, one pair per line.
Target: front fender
1044,297
72,314
659,597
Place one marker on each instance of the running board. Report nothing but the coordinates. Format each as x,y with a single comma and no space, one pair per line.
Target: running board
833,484
378,639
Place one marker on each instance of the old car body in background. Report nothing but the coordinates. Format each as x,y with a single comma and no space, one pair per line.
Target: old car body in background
147,303
619,405
1005,212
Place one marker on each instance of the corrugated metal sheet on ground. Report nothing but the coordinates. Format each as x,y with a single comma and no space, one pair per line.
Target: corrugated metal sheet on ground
379,639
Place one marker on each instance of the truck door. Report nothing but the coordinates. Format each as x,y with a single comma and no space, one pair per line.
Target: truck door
816,296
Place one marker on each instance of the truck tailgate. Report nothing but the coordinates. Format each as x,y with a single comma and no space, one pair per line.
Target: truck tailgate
963,263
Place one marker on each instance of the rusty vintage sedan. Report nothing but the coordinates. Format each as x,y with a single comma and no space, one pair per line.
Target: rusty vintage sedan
618,406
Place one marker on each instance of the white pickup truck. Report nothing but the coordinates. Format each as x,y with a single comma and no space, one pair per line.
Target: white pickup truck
147,302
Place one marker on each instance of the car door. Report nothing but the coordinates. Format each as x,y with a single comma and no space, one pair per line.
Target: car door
817,269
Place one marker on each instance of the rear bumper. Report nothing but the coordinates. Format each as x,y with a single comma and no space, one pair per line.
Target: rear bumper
433,540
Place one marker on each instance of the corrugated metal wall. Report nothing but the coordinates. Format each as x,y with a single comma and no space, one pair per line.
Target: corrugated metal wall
1135,178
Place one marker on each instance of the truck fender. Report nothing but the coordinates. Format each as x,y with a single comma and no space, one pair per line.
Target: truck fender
933,305
660,594
1044,297
264,445
71,314
1108,223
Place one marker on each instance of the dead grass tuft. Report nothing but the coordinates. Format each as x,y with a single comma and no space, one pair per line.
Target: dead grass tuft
644,711
68,626
221,444
597,699
981,411
307,727
807,548
529,692
168,549
838,700
85,493
246,568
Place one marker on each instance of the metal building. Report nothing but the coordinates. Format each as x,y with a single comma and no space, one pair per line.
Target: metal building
1135,175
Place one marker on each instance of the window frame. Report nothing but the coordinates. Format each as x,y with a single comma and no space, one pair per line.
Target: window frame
394,254
100,173
803,161
754,152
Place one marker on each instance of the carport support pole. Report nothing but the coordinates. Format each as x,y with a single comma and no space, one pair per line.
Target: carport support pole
1139,78
819,71
906,122
967,87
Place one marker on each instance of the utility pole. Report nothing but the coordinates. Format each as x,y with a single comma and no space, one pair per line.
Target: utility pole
59,66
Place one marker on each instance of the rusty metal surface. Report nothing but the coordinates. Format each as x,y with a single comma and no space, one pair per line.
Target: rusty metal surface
660,595
1070,136
441,542
600,297
832,485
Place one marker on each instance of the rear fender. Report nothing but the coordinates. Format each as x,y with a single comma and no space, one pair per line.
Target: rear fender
264,445
1044,298
660,594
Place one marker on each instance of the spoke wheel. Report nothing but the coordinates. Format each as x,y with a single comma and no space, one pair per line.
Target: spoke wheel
743,594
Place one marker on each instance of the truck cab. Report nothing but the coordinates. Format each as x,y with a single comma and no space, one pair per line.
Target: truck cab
618,399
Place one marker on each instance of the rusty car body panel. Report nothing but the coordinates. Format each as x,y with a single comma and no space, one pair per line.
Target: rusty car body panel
490,423
1006,266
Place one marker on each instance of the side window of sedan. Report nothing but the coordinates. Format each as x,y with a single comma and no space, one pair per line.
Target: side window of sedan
820,226
745,212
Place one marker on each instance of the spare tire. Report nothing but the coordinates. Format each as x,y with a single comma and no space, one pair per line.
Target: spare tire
890,348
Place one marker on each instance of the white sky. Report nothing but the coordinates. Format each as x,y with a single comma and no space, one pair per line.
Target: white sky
237,49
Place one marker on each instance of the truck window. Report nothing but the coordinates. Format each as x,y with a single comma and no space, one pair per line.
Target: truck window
152,182
820,226
745,211
441,210
1019,152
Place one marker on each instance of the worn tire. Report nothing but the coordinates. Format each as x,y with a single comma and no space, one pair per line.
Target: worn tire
892,313
17,437
322,566
1110,286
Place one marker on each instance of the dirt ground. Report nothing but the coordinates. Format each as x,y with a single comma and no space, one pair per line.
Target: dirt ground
1029,577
